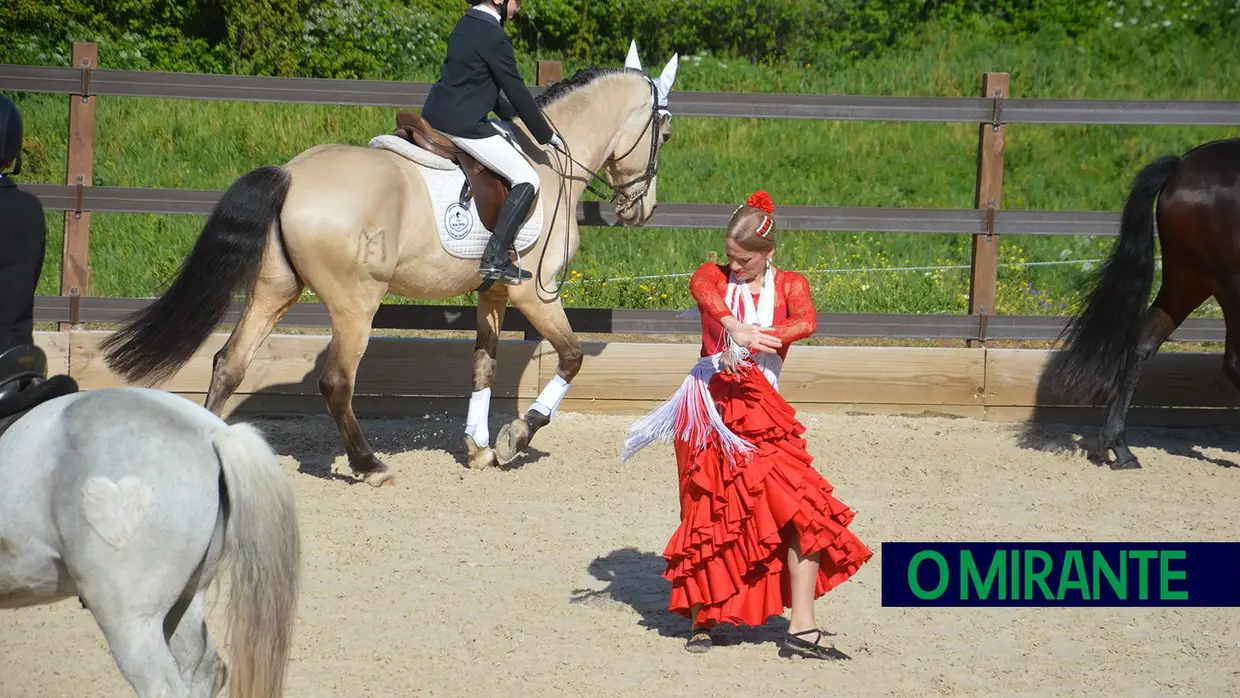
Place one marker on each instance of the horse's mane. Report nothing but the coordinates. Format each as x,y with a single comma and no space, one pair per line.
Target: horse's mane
559,90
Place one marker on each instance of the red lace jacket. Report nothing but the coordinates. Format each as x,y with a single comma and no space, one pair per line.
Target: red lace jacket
795,317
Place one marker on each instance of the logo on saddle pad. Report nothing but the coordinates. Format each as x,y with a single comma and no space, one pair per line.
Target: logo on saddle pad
458,220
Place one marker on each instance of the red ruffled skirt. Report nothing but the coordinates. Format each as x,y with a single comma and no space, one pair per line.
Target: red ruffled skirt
730,551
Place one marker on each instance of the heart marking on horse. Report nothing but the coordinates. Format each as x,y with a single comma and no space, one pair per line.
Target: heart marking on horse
115,509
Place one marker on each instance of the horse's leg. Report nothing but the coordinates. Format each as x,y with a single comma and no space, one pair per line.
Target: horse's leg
491,306
132,621
1181,292
551,322
350,336
275,292
201,666
1229,299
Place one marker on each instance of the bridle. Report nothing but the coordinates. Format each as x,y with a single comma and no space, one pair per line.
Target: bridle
652,169
652,165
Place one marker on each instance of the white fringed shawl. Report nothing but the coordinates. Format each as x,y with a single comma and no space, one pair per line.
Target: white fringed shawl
690,413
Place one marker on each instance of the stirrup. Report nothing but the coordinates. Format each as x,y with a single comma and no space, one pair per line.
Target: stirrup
509,273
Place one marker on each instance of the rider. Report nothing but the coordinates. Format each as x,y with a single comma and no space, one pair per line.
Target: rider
479,66
23,233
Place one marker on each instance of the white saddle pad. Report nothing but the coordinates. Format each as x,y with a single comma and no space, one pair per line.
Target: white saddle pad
460,228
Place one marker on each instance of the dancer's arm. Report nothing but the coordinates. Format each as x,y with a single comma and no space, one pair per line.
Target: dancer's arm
707,286
802,316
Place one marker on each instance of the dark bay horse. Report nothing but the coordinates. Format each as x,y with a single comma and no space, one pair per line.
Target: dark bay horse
1198,218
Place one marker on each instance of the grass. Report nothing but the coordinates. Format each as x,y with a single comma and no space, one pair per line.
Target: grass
206,145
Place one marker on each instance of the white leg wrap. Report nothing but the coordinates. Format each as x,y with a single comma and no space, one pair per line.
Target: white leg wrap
549,399
477,424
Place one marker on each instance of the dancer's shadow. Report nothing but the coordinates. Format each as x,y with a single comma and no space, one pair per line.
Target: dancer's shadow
1180,379
635,578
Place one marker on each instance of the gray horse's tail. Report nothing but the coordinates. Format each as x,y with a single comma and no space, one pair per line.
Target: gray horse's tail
263,545
156,341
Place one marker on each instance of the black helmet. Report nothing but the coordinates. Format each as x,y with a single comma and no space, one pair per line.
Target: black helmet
10,136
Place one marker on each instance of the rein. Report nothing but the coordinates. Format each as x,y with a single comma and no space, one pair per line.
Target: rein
652,169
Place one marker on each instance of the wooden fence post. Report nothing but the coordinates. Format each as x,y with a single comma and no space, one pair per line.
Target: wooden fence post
549,72
989,196
79,171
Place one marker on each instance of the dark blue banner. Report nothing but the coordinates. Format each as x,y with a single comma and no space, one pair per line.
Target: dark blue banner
1061,574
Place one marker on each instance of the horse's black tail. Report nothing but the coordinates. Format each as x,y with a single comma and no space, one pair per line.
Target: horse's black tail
157,340
1101,343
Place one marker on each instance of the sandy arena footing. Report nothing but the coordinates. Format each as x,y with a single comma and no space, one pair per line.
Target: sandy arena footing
544,578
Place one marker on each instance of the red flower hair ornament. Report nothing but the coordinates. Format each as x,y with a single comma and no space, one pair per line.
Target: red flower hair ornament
762,201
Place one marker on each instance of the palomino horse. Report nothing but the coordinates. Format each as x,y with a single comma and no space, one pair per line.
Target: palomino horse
355,223
1198,217
134,500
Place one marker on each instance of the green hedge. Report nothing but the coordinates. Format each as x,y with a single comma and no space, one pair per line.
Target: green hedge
404,39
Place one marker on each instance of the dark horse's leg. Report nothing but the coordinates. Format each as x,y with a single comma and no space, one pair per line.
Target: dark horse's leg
1179,296
1229,299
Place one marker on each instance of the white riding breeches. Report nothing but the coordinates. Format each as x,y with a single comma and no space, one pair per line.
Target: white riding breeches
501,156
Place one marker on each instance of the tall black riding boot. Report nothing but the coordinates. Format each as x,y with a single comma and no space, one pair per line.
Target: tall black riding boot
496,264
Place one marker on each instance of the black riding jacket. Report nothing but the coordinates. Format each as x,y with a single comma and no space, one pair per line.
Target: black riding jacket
479,66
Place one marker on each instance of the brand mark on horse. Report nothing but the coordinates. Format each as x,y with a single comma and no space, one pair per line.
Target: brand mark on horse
458,221
115,509
367,241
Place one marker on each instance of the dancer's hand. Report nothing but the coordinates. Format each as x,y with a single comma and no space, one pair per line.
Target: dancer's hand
727,362
753,338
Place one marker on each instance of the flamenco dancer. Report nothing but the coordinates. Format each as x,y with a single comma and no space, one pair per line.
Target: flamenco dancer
759,528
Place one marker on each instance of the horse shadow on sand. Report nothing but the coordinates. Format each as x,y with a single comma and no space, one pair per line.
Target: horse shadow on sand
297,424
1193,382
635,579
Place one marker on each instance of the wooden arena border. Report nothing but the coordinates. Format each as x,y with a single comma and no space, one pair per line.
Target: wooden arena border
409,377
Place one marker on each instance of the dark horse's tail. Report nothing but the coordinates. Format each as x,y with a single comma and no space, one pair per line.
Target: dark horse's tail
1101,343
157,340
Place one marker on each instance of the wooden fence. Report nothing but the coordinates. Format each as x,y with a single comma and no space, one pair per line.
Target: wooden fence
966,386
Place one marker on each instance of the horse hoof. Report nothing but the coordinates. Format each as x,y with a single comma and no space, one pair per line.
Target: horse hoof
479,456
373,472
510,441
380,478
1126,464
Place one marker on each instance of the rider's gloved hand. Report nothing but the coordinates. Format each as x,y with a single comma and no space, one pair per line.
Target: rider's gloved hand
557,143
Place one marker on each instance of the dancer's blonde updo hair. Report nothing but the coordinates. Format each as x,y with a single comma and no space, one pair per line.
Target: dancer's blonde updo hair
753,223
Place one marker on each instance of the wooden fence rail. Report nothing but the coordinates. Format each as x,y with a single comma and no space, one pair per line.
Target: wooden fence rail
84,81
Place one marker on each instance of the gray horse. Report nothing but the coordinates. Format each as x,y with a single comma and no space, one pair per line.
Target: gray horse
133,500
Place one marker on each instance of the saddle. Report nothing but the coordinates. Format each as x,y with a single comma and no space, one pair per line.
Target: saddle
24,384
481,183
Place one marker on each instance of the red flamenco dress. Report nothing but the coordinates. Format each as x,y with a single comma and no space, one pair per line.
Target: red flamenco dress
745,477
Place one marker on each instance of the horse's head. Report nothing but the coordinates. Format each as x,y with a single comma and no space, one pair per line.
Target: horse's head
633,164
